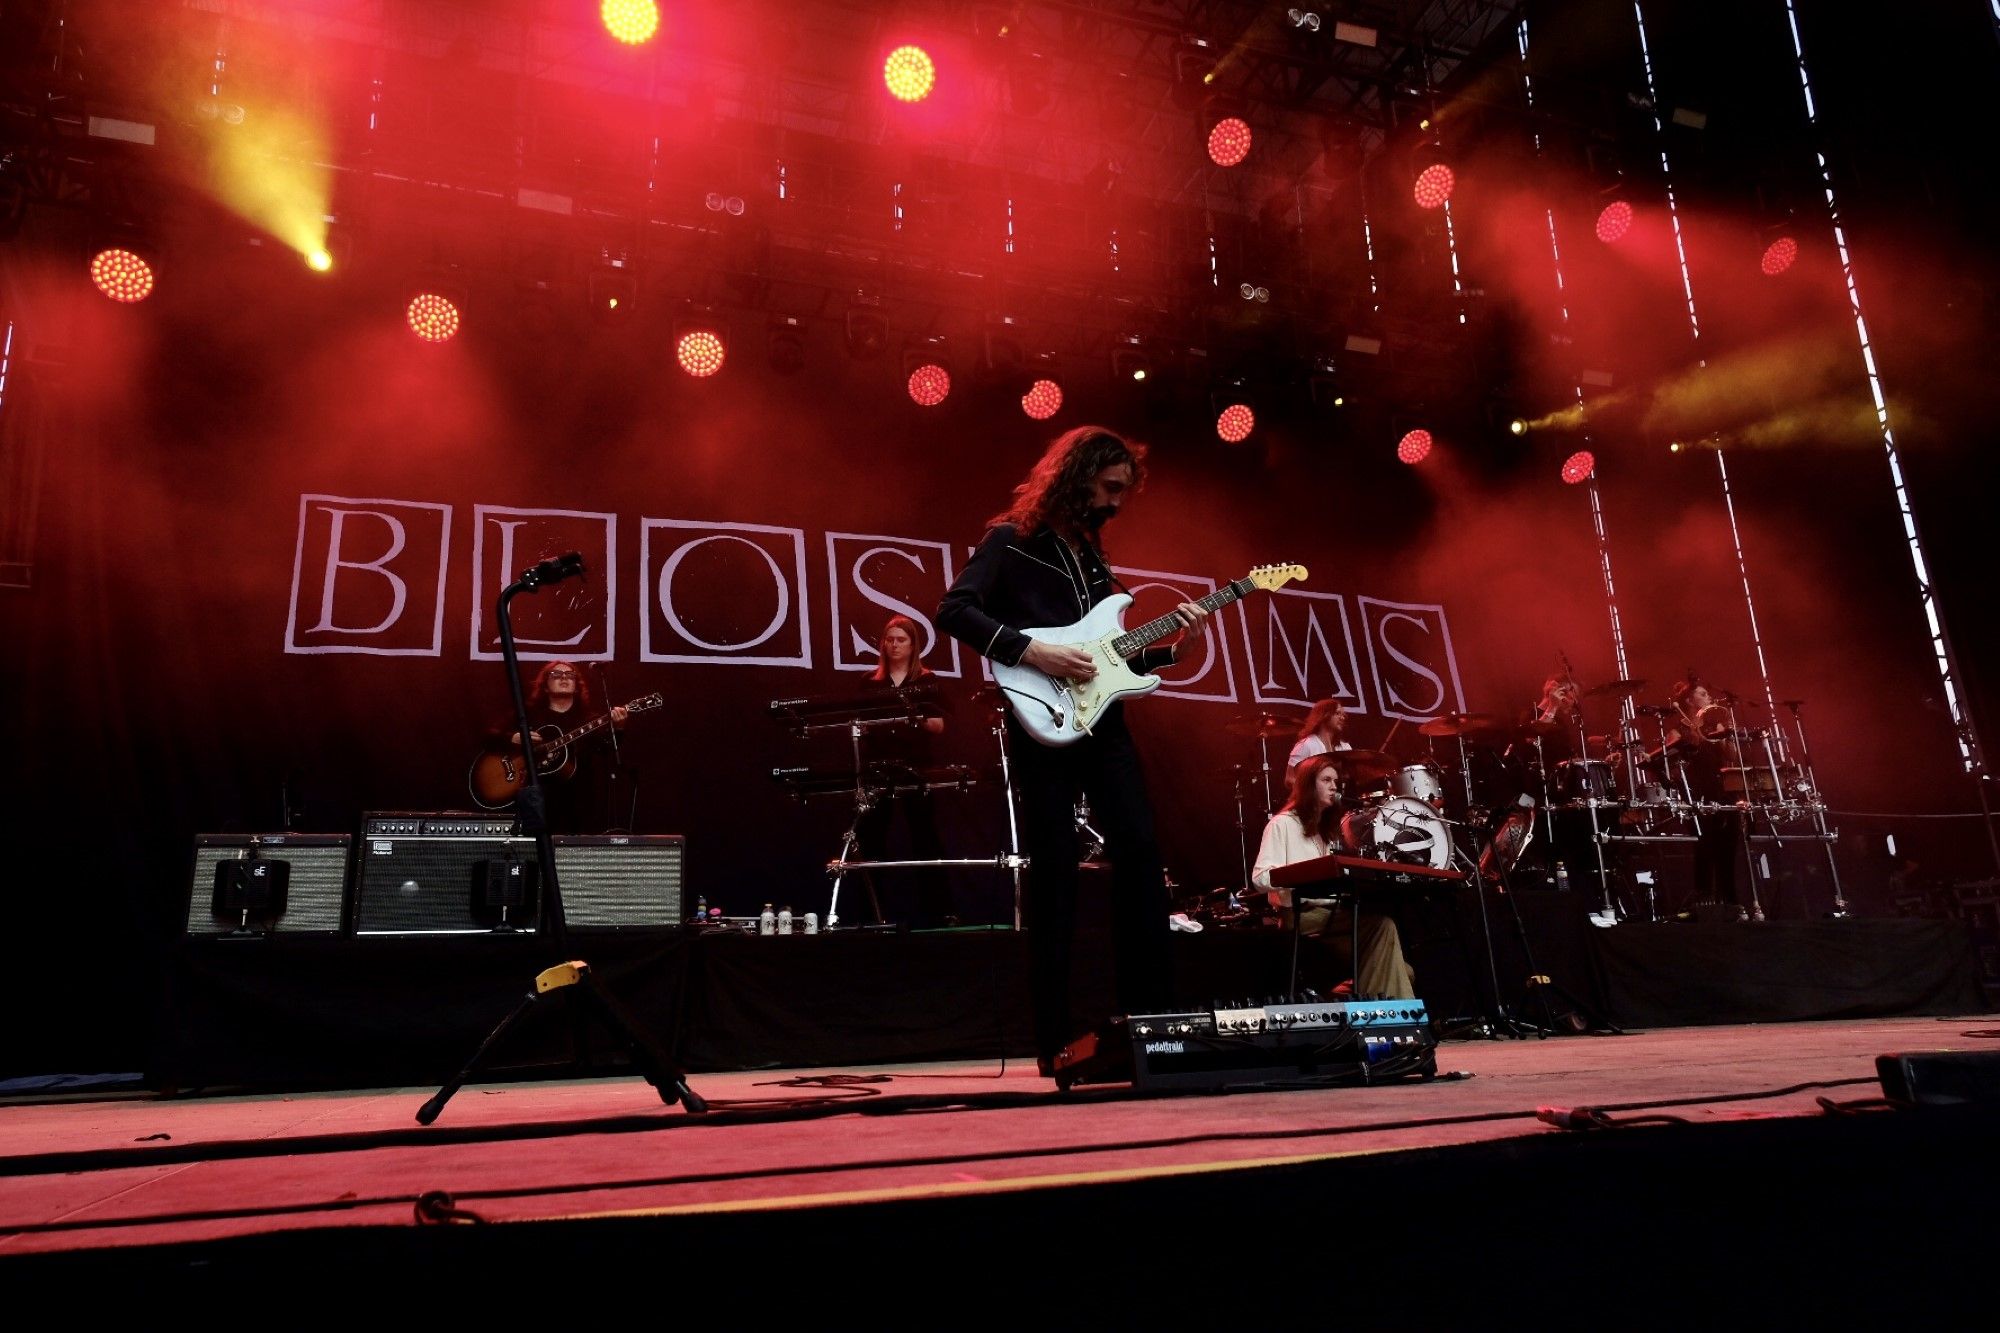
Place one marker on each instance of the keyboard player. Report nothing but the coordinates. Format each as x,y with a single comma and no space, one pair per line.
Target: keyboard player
1306,827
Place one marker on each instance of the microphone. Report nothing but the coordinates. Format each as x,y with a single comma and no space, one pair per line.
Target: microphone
553,570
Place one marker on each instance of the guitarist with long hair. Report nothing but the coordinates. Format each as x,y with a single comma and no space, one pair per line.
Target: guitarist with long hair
1040,564
558,699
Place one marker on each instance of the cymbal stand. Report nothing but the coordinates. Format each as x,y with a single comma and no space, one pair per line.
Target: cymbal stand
1818,806
1264,773
1243,835
1500,1023
1744,808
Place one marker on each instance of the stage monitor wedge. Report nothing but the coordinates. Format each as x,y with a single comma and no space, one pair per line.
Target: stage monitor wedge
264,883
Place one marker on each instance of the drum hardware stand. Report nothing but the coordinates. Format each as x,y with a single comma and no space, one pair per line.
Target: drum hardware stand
1500,1022
1744,807
1243,852
572,978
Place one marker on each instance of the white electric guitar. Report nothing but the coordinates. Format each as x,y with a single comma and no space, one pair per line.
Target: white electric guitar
1060,710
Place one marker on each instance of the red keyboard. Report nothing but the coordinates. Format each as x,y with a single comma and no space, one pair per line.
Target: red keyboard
1362,869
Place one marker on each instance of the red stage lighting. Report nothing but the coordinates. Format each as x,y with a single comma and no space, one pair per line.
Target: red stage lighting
1236,423
121,275
930,384
1414,447
1043,400
909,74
1578,466
1778,256
1434,185
1614,221
630,21
1229,142
700,352
432,317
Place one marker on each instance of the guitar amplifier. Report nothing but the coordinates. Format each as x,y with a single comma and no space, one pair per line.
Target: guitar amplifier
444,873
1321,1043
254,883
618,880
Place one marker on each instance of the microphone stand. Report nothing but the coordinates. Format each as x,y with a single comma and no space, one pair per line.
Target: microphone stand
615,781
574,977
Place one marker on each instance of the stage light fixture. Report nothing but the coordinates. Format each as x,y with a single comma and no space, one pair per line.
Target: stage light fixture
630,21
867,334
121,274
1578,467
909,73
1235,423
787,344
432,316
613,289
1414,447
319,261
1614,220
1250,291
1194,72
1517,427
1229,141
1303,18
1043,399
1434,186
927,371
1779,255
1130,362
699,347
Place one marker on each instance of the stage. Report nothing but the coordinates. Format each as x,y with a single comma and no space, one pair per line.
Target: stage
964,1175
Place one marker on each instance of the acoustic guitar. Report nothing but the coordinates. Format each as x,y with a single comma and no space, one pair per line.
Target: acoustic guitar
498,772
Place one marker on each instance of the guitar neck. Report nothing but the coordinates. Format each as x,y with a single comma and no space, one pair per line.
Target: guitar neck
1136,640
571,737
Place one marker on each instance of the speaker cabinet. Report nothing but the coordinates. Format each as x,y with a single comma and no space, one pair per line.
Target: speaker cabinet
257,883
444,873
621,880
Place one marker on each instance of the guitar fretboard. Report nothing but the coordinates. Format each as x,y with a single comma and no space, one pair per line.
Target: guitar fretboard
1135,640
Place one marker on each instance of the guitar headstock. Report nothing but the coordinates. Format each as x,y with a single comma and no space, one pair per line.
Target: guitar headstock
650,701
1269,577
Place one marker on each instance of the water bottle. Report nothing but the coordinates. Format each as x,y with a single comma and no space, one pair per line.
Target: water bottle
784,921
767,921
1562,878
701,910
812,923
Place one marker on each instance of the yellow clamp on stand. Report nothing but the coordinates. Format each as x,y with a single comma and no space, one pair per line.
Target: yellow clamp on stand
562,974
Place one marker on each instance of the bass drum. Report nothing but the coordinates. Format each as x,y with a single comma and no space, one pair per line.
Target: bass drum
1398,828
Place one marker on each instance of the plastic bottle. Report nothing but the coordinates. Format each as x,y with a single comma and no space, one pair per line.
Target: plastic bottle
767,921
701,910
784,921
1562,877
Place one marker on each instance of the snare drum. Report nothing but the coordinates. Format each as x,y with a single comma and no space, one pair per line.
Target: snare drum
1398,828
1419,782
1583,780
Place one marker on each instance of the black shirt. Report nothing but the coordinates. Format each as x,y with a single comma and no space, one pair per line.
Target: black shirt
1013,583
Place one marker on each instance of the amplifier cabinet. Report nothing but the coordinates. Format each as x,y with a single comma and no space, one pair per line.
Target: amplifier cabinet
617,880
293,883
444,873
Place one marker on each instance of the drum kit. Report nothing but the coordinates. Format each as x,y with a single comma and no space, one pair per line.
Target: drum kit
1515,779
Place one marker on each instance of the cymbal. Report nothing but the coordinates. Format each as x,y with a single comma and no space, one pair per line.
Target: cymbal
1540,727
1373,762
1463,724
1265,726
1617,689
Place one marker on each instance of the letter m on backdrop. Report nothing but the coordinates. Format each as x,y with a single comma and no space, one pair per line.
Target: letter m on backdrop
368,576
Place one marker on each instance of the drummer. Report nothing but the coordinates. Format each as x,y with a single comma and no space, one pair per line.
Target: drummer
1320,734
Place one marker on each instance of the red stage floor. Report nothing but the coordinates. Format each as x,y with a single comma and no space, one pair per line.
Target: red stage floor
607,1146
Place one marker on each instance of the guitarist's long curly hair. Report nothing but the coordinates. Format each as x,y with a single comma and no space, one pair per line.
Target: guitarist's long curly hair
539,691
1057,489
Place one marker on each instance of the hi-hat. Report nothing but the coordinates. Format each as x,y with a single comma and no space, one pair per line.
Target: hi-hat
1541,727
1617,689
1463,724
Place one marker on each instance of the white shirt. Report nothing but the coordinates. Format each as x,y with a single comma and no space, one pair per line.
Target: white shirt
1285,841
1309,747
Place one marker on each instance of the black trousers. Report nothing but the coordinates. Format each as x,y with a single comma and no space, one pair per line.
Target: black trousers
1716,850
920,893
1105,767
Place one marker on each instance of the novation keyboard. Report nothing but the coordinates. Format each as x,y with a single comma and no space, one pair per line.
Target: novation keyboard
1248,1046
1363,872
